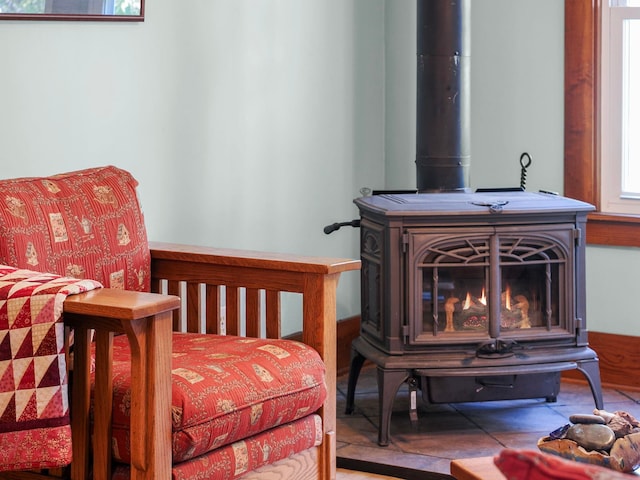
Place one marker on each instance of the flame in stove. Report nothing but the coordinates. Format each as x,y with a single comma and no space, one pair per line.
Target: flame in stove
470,302
467,302
507,298
514,311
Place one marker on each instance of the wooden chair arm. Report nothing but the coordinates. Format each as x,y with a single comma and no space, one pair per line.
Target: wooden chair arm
146,320
251,259
119,305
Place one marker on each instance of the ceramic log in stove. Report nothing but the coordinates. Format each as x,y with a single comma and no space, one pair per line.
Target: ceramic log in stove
472,297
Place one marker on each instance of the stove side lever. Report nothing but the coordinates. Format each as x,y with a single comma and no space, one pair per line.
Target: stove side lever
336,226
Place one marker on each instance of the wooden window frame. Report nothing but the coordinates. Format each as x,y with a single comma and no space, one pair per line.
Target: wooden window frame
582,124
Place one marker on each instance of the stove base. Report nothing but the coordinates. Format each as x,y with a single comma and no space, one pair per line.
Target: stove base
450,378
489,388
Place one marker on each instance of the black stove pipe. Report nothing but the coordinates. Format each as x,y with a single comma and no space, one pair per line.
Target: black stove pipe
443,95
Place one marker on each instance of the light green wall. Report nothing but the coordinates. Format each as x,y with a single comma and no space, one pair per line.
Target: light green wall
516,93
249,124
254,123
612,290
400,95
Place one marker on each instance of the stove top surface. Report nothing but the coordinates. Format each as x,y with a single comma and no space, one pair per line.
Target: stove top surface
480,203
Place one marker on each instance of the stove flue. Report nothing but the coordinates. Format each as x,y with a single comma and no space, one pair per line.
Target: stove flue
443,95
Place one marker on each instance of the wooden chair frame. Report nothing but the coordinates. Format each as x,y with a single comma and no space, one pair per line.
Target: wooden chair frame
148,320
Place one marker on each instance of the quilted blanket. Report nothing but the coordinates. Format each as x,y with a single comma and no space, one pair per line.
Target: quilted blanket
34,406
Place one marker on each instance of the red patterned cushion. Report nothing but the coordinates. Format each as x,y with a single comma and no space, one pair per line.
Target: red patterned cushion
232,461
225,389
84,224
534,465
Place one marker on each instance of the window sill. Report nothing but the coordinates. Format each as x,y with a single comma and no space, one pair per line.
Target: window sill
611,229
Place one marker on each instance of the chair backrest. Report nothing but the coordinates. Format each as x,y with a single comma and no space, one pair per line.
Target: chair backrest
82,224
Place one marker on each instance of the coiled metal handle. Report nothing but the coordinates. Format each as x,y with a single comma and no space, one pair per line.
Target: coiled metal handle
525,162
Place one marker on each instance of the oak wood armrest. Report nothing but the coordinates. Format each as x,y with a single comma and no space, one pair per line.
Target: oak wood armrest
146,320
119,305
251,259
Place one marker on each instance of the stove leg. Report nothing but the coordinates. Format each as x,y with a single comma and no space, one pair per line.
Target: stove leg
389,382
357,360
591,370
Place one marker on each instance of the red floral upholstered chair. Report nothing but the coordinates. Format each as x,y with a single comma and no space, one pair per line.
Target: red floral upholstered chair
149,400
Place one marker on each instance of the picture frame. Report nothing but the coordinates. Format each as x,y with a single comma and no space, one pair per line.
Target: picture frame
92,10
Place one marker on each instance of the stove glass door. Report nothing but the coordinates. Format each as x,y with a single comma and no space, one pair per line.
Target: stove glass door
504,283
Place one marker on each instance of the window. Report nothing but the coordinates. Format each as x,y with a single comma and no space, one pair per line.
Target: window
620,100
582,125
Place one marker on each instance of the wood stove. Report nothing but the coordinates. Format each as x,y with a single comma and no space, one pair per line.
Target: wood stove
466,296
472,297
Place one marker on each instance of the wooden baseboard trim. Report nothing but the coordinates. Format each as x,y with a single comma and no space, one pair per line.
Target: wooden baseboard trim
619,356
348,331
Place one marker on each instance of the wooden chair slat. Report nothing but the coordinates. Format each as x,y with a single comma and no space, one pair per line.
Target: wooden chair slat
232,310
252,310
212,307
272,312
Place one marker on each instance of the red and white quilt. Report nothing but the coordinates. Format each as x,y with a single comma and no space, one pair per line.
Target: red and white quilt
34,403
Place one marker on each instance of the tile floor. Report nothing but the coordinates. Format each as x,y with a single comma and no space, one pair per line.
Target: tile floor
449,431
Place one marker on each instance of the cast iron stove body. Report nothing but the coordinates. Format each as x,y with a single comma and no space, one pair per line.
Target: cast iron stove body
472,296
